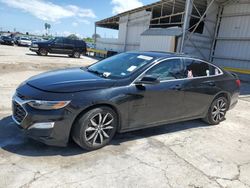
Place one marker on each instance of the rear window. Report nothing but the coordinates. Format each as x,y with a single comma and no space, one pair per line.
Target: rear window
196,68
80,43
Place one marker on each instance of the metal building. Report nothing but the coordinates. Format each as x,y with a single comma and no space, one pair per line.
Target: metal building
215,30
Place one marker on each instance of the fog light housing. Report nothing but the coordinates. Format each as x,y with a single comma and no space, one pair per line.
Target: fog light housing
43,125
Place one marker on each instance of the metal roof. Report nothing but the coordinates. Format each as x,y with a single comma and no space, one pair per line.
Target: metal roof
171,31
113,22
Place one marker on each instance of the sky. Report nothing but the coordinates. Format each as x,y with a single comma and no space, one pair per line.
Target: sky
65,16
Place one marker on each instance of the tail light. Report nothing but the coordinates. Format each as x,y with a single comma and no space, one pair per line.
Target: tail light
238,82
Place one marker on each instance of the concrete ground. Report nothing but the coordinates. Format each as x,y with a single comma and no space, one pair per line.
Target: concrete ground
188,154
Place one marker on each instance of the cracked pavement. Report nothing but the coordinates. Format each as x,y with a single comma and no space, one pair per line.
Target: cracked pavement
188,154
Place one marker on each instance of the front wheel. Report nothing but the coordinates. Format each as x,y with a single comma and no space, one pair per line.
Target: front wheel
217,111
95,128
43,52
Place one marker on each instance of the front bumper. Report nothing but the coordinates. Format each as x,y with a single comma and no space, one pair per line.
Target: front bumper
24,44
48,126
34,49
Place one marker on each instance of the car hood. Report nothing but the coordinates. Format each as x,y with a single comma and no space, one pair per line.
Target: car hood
69,80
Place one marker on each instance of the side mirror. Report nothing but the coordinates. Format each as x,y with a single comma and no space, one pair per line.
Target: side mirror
147,80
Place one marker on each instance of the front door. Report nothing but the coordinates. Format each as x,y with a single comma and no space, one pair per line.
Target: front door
57,46
154,104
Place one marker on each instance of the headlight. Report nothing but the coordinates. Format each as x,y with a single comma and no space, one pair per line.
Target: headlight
48,105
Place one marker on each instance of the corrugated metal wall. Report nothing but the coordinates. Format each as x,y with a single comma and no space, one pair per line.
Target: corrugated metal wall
109,44
157,43
233,41
131,27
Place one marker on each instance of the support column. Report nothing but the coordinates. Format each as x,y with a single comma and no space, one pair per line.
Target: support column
185,26
95,35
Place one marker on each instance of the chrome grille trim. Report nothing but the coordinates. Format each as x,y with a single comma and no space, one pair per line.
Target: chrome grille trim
18,103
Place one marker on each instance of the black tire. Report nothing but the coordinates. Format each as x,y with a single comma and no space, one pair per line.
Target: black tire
43,52
91,134
38,53
217,111
70,55
76,54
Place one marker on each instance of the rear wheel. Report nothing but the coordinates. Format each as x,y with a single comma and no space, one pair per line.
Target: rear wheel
76,54
217,111
95,128
43,52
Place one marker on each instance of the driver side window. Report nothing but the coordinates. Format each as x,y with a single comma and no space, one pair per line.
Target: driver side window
167,70
59,40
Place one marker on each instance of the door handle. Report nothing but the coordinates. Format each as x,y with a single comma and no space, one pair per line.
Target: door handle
176,87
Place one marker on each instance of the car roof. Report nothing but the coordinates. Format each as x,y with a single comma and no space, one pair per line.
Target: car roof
159,55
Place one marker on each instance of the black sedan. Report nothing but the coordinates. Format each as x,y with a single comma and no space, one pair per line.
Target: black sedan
129,91
7,40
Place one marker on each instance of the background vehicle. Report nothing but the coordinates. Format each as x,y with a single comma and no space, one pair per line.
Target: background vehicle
1,41
37,40
60,45
23,41
7,40
125,92
16,38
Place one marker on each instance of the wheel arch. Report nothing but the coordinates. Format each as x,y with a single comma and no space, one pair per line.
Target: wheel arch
223,94
85,110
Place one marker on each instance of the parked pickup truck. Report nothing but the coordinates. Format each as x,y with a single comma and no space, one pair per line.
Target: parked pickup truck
60,45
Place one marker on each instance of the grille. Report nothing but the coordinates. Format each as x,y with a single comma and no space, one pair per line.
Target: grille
18,112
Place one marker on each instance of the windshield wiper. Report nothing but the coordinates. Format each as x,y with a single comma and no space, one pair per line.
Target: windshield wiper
96,72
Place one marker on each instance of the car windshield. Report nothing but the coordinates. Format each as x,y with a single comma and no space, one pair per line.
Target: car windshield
24,38
121,65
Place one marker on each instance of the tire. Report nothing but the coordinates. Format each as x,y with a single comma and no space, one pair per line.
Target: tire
70,55
90,133
43,52
217,111
38,53
76,54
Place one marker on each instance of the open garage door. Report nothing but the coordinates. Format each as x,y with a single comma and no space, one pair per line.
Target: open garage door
232,44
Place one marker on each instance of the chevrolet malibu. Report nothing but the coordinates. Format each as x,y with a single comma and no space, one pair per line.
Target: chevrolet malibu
126,92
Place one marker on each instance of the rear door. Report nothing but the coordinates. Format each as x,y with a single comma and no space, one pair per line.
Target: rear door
69,46
201,88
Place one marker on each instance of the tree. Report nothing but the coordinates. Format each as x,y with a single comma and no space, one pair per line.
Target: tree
88,39
73,36
47,27
96,36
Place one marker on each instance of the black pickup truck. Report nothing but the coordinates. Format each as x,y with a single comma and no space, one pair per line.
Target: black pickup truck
60,45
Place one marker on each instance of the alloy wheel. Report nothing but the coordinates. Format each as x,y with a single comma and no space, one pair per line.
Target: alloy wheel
77,55
99,128
43,52
219,110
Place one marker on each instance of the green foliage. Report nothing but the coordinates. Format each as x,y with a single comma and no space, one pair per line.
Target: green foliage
88,39
47,27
